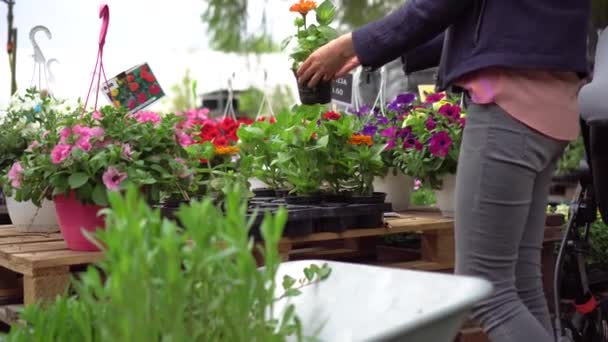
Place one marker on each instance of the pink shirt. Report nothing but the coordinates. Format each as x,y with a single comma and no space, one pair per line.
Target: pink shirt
543,100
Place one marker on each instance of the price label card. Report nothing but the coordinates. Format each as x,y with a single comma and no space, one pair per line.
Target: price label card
424,90
342,90
134,89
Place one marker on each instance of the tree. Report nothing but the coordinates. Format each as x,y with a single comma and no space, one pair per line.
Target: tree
183,96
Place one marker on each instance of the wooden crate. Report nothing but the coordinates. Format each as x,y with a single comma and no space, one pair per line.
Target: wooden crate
43,261
360,245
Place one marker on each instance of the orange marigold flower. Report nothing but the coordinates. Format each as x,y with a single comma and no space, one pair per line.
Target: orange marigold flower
226,150
303,7
359,139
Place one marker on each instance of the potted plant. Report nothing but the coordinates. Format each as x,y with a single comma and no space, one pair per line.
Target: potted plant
385,127
93,153
310,37
28,115
259,149
430,150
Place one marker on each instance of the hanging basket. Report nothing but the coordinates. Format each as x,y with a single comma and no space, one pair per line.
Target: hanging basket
28,218
74,218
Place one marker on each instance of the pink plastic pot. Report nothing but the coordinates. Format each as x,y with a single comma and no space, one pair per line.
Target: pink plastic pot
74,216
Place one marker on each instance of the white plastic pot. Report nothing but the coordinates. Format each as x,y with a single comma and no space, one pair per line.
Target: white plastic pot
445,196
398,188
28,218
256,184
370,303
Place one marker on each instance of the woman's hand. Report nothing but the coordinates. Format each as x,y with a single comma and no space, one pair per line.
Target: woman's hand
336,58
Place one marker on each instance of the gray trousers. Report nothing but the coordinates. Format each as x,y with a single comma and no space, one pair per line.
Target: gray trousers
504,172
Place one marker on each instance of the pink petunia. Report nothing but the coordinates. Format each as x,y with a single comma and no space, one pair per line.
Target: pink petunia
112,178
126,151
84,143
15,175
143,117
64,134
32,146
97,115
417,184
183,139
60,153
97,132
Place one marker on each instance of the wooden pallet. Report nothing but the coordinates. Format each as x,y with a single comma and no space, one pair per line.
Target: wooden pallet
437,237
43,260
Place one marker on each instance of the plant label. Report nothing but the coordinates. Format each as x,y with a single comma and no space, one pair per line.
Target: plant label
134,89
342,90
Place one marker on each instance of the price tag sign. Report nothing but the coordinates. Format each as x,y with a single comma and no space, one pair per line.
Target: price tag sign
134,89
342,90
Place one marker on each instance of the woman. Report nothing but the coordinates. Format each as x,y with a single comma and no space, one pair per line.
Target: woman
521,63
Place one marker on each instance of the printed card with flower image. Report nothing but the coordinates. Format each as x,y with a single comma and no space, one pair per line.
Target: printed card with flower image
134,89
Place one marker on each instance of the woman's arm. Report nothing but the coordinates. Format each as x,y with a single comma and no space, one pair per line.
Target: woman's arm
410,26
424,56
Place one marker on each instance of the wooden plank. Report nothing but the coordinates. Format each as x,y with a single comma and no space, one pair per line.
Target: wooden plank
56,258
327,253
420,265
33,247
29,238
438,246
45,285
403,225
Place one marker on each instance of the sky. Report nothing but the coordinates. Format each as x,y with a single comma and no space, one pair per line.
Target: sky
168,35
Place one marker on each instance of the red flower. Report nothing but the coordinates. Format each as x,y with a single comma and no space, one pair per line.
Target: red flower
220,141
245,121
130,78
133,86
332,116
142,97
314,135
432,98
272,120
131,104
209,132
148,77
154,89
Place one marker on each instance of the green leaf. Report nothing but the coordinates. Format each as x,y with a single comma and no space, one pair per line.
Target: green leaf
322,141
286,42
326,13
288,282
292,292
328,32
99,195
78,179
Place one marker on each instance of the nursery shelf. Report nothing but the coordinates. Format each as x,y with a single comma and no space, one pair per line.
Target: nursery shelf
43,260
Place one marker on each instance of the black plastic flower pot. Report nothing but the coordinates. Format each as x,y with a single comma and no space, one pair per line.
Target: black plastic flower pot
368,216
377,197
320,94
263,192
335,218
301,222
281,193
342,197
303,200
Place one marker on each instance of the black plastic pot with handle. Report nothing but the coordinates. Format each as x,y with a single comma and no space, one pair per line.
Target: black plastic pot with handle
320,94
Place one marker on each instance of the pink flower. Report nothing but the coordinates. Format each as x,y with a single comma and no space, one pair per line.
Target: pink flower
97,132
15,175
131,104
143,117
126,151
417,184
45,134
32,146
60,153
183,139
64,134
81,130
97,115
112,178
84,143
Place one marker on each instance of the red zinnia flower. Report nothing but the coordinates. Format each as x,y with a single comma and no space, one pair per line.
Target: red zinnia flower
332,116
148,77
133,86
154,89
130,78
220,141
142,97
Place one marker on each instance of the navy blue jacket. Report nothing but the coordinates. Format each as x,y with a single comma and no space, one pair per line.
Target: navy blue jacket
475,34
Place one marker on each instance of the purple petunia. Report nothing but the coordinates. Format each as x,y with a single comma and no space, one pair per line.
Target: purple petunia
390,144
411,141
404,132
401,102
439,144
389,132
430,124
369,130
451,112
382,120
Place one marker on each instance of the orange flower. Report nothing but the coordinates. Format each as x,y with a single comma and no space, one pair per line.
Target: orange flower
359,139
303,7
226,150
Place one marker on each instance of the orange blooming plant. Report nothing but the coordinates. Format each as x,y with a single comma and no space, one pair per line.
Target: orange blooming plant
365,163
311,36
